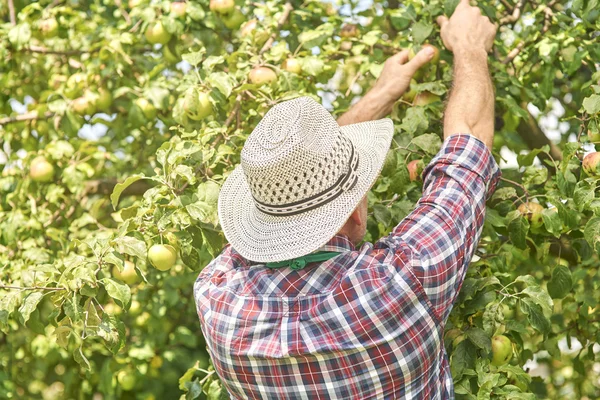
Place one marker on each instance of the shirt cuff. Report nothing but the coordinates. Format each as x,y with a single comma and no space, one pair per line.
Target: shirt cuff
468,152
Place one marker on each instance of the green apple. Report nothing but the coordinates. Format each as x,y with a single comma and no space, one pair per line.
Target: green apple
147,107
415,169
135,308
126,380
590,164
162,256
75,84
234,19
593,136
412,52
262,75
49,27
425,98
349,31
178,8
83,105
42,127
533,212
170,54
128,275
409,96
197,105
501,350
292,65
222,6
103,99
156,33
41,170
142,319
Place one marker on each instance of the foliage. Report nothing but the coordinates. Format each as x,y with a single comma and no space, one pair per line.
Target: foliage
103,105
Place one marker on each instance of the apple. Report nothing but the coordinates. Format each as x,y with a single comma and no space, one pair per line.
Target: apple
262,75
128,275
103,100
156,362
156,33
135,3
412,52
425,98
346,45
222,6
501,350
42,127
178,8
590,164
170,54
49,27
41,170
162,256
83,106
112,309
292,65
593,136
409,96
147,107
248,28
75,84
234,20
135,308
415,169
126,379
349,31
197,105
533,212
142,319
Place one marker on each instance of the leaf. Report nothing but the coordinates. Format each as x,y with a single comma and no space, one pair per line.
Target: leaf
187,376
118,291
421,31
591,104
450,6
429,143
8,303
223,82
29,305
382,214
462,358
20,34
560,283
505,193
552,221
525,160
312,65
81,359
112,331
517,231
584,194
120,187
414,120
194,58
592,233
480,339
540,297
132,246
535,316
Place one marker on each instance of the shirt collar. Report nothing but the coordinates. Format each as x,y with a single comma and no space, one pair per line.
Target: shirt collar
338,243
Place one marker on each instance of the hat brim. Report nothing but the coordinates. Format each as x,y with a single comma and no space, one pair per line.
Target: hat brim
262,237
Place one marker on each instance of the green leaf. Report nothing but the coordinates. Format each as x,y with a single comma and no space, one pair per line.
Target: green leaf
584,194
81,359
540,297
552,221
194,58
120,187
592,233
421,31
535,315
505,193
118,291
429,143
312,65
560,283
132,246
20,34
591,104
525,160
187,376
8,303
480,339
517,231
223,82
450,6
462,358
29,305
382,214
414,120
112,331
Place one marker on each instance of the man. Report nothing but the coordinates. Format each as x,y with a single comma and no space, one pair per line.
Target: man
292,309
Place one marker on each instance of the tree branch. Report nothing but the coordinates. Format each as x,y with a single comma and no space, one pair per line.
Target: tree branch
547,24
535,138
516,14
8,287
106,186
287,9
29,116
44,50
11,11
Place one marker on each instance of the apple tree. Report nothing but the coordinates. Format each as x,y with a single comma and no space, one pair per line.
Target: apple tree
119,122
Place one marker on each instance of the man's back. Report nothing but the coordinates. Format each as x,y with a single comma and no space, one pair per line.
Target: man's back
365,324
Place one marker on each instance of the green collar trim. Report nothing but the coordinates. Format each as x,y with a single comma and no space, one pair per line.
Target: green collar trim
300,262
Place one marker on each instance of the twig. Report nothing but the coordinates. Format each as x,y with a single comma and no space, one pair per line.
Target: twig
32,115
516,184
11,11
547,23
123,12
354,80
44,50
30,288
236,109
516,14
507,5
581,126
287,9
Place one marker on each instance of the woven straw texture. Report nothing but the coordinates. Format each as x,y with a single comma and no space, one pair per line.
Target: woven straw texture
298,152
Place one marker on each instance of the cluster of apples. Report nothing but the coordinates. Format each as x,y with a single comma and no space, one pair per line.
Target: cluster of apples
422,98
231,16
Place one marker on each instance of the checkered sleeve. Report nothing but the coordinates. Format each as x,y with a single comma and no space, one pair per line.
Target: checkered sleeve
445,227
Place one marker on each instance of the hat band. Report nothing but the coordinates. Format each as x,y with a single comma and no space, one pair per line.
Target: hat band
344,183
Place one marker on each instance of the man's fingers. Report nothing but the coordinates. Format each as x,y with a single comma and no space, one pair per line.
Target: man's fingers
402,57
420,59
442,20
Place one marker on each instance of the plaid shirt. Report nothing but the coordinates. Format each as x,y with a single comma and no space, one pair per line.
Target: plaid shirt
367,324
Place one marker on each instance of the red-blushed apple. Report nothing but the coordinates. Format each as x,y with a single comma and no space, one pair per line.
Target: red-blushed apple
41,170
248,28
415,169
425,98
262,76
292,65
162,256
501,350
234,19
222,6
533,212
178,8
49,28
590,164
349,31
156,33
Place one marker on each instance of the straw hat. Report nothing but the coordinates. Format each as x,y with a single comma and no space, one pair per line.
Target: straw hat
301,176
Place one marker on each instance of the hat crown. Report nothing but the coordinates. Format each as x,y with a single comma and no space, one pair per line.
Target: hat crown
296,152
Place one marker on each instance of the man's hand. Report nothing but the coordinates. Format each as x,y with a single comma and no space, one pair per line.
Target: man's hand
393,81
467,30
470,109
